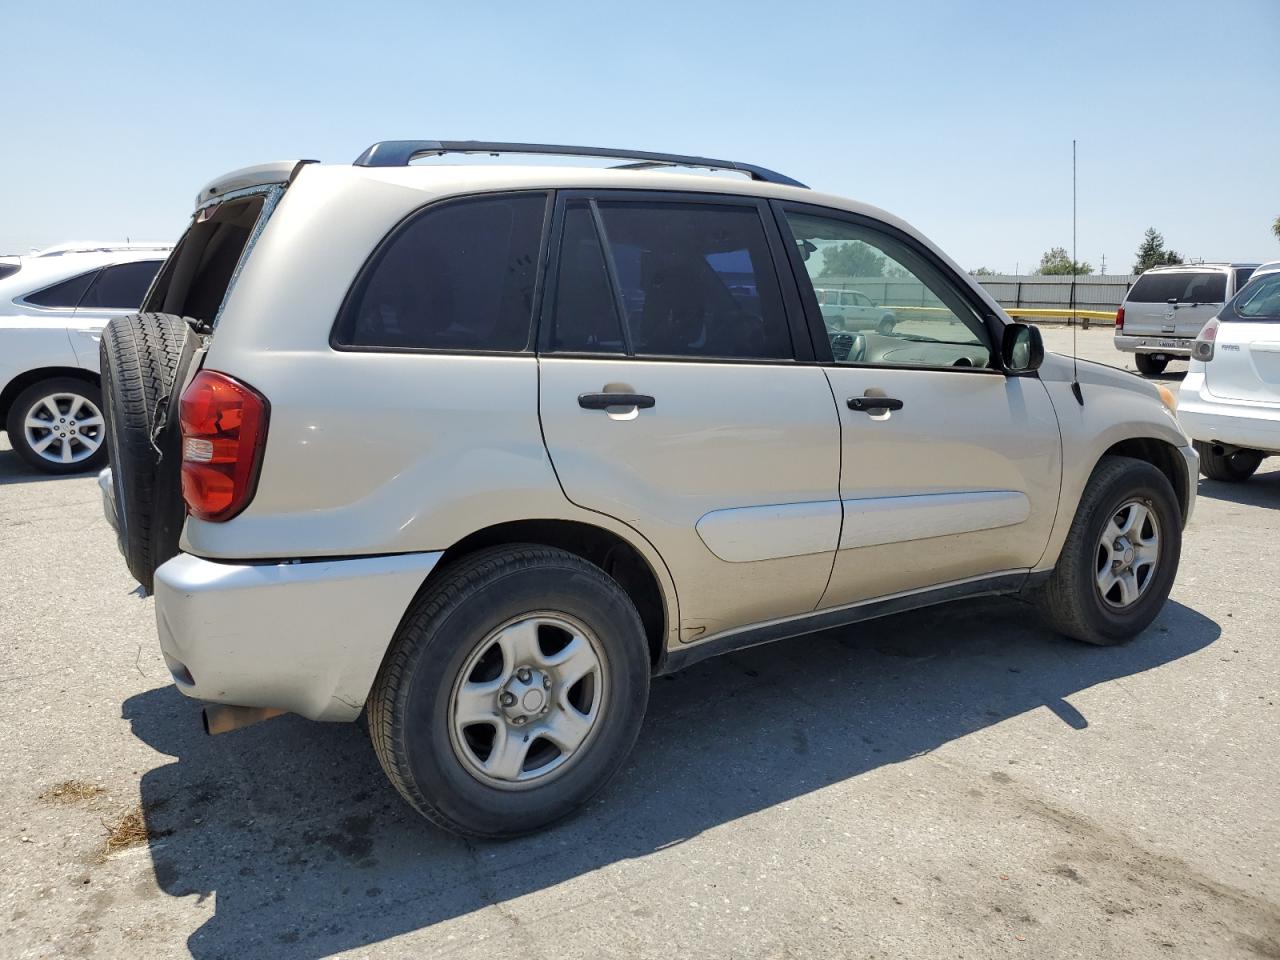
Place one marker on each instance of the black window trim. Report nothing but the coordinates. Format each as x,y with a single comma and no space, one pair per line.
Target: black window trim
992,324
801,347
49,286
549,203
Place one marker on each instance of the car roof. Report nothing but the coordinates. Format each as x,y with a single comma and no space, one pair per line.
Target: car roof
1192,267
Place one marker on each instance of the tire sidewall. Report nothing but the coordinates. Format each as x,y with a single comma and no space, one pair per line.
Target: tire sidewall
1143,482
423,701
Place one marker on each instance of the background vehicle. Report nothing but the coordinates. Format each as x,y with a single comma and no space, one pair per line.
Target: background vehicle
1167,306
53,306
607,432
1229,402
854,310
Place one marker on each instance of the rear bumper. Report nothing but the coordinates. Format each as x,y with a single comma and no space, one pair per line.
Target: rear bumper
1213,420
1168,346
303,637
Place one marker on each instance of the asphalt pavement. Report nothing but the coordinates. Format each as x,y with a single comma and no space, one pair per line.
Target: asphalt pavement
950,783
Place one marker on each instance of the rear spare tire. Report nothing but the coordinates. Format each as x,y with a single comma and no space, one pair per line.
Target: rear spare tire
144,358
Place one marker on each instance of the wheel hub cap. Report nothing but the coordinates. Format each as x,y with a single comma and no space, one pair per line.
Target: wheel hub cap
527,701
63,428
1128,554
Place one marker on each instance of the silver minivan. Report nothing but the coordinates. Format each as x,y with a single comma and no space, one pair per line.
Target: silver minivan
1167,306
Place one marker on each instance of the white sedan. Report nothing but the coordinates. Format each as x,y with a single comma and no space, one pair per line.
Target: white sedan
53,306
1229,403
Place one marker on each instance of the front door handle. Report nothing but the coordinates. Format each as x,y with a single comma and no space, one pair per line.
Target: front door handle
602,401
871,404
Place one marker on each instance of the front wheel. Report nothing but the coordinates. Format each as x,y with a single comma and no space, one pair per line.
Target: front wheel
1148,365
514,689
1120,556
56,425
1234,467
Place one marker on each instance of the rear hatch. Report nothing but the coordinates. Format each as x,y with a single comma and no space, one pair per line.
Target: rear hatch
1246,356
1174,303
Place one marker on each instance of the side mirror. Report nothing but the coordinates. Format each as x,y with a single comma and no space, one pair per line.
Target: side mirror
1023,348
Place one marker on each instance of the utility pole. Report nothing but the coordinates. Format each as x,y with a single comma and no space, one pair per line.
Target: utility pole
1102,268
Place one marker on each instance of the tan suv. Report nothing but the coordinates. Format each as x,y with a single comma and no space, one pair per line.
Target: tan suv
478,450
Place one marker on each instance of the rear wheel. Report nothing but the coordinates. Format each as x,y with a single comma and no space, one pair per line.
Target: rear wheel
144,356
56,425
1234,467
1148,365
1120,556
513,691
886,324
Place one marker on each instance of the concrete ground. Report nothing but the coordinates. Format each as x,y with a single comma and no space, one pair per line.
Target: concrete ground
941,784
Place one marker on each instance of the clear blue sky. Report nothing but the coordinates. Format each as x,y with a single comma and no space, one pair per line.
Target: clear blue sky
956,116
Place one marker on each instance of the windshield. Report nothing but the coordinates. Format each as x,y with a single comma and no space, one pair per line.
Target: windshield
1184,287
1261,299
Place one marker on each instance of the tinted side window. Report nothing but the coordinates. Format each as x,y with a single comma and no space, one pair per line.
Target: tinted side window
696,280
122,286
586,311
64,294
1242,276
459,276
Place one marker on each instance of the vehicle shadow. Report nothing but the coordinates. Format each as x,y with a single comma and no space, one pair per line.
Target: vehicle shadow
13,469
1260,490
310,851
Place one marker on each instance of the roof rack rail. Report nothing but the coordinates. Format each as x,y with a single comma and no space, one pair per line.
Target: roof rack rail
398,153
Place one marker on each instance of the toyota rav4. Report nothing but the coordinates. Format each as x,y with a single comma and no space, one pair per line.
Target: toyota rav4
476,451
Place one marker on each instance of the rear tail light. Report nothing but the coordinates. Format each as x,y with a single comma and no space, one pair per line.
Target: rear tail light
224,428
1202,349
1119,319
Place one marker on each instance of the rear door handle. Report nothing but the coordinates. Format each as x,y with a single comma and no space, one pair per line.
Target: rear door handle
870,404
602,401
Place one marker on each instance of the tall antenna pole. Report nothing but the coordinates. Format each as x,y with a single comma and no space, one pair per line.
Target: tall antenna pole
1075,320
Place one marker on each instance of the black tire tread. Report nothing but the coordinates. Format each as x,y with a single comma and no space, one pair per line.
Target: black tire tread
1149,367
1234,468
141,354
455,586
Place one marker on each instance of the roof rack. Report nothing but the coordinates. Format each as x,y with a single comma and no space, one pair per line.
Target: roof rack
398,153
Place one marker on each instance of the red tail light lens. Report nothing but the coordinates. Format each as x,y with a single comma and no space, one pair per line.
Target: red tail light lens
224,428
1120,319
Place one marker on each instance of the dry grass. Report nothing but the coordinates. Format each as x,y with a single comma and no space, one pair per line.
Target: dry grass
72,791
128,830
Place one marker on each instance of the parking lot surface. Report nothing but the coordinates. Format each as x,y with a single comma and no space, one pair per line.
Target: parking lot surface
954,782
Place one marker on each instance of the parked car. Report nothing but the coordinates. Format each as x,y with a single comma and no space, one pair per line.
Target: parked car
53,306
1229,402
1167,306
520,446
853,310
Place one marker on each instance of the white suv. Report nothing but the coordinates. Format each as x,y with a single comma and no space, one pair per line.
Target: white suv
479,450
53,306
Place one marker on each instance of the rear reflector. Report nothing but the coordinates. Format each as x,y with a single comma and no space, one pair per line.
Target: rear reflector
224,429
1119,319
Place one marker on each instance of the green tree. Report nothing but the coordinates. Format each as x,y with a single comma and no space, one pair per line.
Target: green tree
1055,262
1275,228
1152,253
982,272
854,259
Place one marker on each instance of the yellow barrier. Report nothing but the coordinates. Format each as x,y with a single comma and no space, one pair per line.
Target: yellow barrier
1060,312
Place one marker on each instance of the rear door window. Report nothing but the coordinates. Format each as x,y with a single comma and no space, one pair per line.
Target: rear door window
1200,287
120,287
65,294
1242,275
457,276
696,280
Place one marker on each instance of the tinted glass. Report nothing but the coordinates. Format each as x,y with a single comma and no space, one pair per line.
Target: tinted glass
1206,287
696,280
456,277
9,269
1262,300
64,294
921,319
121,287
586,313
1242,275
